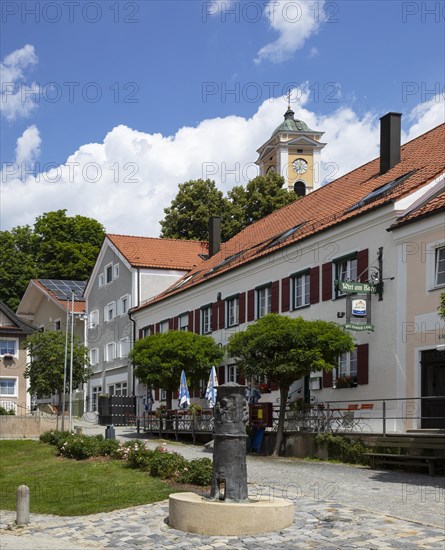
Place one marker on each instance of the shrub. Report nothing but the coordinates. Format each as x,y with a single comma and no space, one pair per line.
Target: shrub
53,437
3,411
167,465
340,448
197,472
109,447
79,447
136,455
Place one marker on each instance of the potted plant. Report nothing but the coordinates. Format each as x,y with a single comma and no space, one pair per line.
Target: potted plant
345,381
263,387
8,356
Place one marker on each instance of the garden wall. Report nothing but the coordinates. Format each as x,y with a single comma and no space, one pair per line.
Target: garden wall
18,427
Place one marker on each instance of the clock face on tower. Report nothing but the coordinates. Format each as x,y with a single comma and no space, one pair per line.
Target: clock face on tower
300,166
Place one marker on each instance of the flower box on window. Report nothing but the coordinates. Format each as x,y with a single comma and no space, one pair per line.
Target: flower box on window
345,382
8,356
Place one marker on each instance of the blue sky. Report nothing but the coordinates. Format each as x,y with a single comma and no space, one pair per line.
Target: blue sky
159,88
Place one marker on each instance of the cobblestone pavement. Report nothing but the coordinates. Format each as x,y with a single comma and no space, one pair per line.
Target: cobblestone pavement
336,506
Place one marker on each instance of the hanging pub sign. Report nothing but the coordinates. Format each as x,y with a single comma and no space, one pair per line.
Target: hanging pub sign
348,287
358,312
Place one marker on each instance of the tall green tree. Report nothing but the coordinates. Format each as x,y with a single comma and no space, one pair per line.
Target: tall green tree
285,349
57,247
188,214
67,247
160,358
187,217
45,368
17,263
261,196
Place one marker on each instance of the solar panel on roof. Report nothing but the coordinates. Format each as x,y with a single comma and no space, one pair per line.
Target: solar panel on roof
63,290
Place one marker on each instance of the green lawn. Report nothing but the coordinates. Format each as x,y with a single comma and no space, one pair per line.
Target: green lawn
67,487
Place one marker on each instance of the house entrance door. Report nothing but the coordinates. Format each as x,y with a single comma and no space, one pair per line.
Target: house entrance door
432,366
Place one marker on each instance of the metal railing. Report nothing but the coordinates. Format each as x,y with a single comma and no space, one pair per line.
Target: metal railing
393,415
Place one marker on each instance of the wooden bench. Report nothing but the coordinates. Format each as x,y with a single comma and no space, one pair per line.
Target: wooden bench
417,444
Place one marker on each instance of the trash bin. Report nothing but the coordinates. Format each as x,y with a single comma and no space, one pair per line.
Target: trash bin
78,429
110,433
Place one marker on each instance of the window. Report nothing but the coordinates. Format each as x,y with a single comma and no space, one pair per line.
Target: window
118,389
232,373
345,270
146,331
264,301
8,386
123,305
110,311
101,280
116,271
301,289
439,274
95,392
8,346
206,320
94,318
108,273
124,345
232,311
110,352
94,356
347,365
57,324
163,395
163,327
184,322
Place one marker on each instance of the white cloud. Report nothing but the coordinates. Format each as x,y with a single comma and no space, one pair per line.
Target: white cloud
17,96
28,146
295,22
426,116
126,181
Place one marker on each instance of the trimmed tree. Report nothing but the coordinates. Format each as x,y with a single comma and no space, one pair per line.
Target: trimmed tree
285,349
160,358
45,369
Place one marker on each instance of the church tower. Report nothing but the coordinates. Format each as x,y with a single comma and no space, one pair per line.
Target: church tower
293,151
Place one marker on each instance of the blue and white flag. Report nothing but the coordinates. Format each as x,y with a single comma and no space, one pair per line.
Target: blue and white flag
211,388
184,396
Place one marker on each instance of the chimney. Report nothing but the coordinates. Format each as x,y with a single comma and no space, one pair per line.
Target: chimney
390,129
214,235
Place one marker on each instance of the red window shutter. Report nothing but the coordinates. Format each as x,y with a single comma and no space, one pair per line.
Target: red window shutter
197,392
156,395
190,321
326,291
158,327
275,303
141,333
285,294
314,290
175,323
327,379
242,307
251,305
214,317
221,314
362,364
151,329
274,386
241,379
170,324
221,375
197,321
362,265
175,394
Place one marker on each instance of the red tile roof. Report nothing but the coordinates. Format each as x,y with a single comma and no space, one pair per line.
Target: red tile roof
433,206
160,253
422,160
79,305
